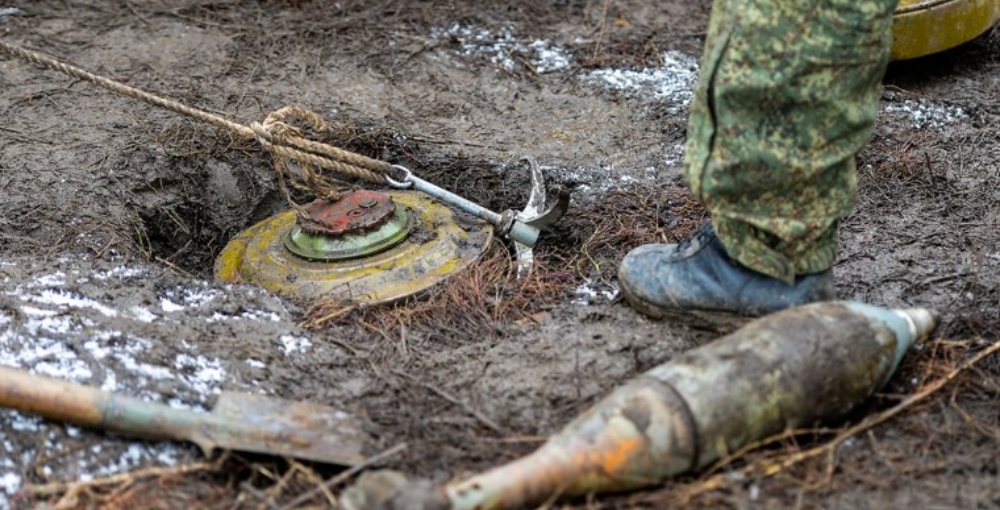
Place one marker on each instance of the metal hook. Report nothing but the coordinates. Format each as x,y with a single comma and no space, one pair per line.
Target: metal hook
407,181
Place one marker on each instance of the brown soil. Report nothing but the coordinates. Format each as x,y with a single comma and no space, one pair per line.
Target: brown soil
113,211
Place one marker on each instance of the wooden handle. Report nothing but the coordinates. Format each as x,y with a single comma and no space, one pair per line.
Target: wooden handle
52,398
89,407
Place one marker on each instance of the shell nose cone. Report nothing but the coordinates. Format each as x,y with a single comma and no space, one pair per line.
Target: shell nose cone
922,321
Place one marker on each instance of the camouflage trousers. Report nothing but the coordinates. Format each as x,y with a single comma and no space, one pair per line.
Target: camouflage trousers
788,95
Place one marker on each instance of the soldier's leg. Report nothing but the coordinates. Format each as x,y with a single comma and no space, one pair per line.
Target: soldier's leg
787,96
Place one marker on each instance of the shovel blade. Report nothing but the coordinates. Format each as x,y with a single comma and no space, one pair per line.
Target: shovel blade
303,430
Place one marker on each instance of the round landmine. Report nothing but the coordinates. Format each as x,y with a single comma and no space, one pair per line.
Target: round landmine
923,27
416,245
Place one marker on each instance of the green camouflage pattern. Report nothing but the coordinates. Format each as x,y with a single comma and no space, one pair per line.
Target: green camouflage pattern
788,95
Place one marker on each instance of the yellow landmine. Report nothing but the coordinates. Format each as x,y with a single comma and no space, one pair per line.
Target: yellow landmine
923,27
439,245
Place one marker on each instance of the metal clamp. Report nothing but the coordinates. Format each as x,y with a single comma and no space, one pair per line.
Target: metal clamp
535,214
521,228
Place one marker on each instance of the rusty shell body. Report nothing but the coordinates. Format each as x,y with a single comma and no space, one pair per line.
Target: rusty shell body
788,370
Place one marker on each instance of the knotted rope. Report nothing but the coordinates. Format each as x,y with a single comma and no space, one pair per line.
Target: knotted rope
285,141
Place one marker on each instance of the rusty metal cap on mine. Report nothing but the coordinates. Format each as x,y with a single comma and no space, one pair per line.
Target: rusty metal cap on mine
360,223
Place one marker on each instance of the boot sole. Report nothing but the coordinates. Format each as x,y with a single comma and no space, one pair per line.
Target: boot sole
710,320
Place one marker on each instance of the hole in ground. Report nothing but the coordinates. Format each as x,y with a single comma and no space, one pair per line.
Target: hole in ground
191,206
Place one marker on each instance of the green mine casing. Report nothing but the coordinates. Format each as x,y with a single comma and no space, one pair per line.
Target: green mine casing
788,370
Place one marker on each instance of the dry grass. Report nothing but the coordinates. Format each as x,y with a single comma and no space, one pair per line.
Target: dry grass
478,299
626,219
148,489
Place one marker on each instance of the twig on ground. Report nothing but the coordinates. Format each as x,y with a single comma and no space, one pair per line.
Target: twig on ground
73,493
263,498
121,478
344,476
175,267
972,422
317,481
324,312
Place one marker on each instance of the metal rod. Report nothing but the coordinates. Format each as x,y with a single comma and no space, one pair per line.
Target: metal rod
517,231
452,199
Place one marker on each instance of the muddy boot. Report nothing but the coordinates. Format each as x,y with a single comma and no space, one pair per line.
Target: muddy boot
696,281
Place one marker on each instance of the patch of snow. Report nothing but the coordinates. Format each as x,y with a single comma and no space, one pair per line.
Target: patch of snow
65,299
21,422
547,58
144,370
124,349
9,11
253,315
169,306
136,455
10,482
256,363
181,298
504,50
260,315
60,362
57,279
143,314
110,383
598,180
97,350
588,293
5,460
42,355
203,375
673,82
57,329
119,273
167,454
294,344
38,313
675,155
926,114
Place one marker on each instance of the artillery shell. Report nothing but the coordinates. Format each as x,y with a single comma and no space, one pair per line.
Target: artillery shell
788,370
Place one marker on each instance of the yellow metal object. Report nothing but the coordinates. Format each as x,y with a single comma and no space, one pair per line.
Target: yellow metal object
437,247
922,27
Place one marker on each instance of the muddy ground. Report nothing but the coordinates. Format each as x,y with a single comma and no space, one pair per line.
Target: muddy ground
112,212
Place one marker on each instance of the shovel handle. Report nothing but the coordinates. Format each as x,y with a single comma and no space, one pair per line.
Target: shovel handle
90,407
52,398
